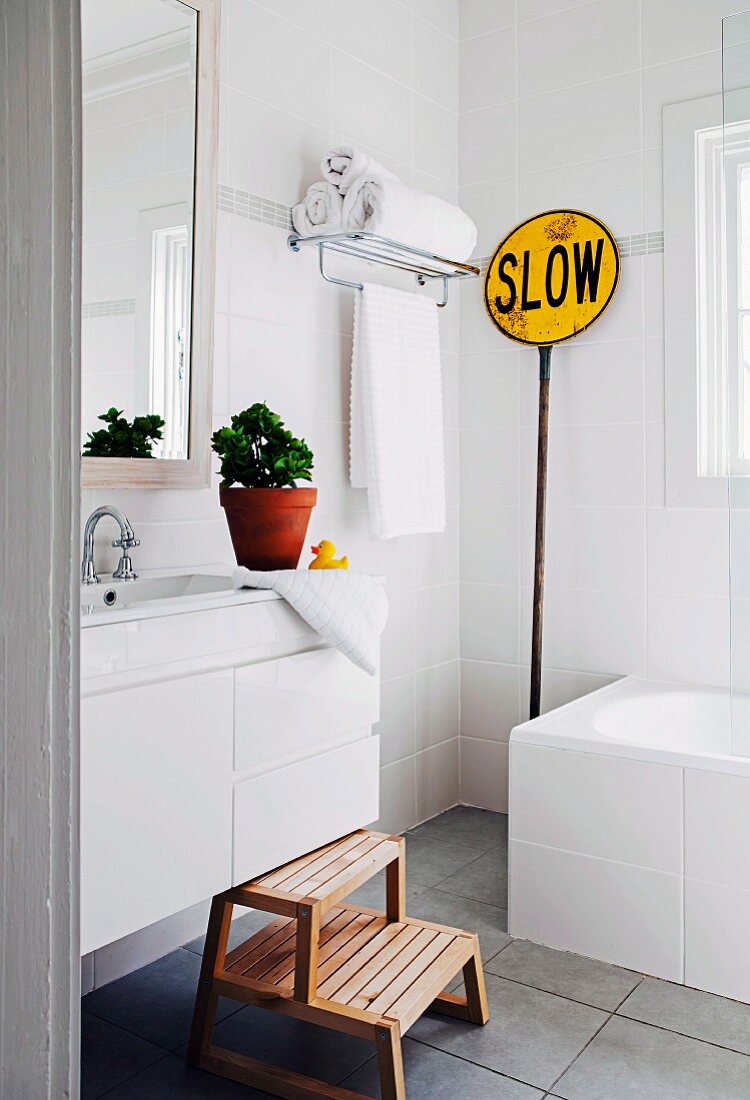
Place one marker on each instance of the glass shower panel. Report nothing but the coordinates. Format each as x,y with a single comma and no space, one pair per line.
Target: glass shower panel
736,107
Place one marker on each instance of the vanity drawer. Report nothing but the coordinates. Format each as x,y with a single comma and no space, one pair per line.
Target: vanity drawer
288,812
294,704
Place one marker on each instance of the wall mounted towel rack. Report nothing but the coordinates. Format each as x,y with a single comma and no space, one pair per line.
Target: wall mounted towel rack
369,246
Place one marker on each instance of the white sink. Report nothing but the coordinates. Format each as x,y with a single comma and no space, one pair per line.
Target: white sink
114,595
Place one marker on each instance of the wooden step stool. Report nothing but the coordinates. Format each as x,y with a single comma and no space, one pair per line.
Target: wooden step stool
342,966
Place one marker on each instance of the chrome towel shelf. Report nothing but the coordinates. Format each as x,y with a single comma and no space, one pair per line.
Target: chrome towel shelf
369,246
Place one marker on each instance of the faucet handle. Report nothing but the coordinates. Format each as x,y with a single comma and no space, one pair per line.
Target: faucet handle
125,543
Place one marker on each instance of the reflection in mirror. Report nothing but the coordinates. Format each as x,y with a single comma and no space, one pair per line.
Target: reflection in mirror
139,95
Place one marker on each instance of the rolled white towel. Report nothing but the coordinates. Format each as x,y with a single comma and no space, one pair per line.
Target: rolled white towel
344,164
319,211
380,204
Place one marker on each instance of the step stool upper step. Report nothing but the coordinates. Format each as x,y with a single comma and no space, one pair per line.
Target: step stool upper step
325,876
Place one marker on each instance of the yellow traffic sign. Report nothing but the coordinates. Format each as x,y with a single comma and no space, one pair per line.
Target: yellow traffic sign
551,277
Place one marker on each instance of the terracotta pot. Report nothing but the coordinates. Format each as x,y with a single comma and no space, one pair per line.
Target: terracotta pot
268,526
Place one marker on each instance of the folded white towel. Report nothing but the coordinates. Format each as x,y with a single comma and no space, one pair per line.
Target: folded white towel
343,165
396,442
383,205
319,211
348,610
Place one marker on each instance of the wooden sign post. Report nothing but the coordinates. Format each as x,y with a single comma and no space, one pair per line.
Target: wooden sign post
547,281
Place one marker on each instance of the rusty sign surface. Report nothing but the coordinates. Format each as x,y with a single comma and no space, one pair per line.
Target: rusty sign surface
551,277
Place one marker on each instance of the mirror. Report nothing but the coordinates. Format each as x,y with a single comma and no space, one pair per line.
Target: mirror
150,91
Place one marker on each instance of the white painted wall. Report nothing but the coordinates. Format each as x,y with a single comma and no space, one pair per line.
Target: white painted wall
39,349
561,105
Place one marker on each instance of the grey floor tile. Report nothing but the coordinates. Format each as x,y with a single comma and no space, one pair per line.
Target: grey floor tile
433,1075
478,829
632,1061
155,1002
304,1048
532,1036
489,921
586,980
691,1012
251,921
372,894
484,879
429,861
173,1079
110,1055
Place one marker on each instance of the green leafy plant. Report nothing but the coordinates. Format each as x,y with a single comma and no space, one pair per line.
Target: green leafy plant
123,439
258,452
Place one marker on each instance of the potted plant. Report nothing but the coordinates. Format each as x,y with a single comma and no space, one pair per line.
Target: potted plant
269,514
123,439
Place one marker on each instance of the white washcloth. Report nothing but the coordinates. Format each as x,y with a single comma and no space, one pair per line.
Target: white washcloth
348,610
319,211
380,204
343,165
396,442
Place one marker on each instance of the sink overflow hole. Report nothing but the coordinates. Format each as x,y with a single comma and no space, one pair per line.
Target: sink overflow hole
110,597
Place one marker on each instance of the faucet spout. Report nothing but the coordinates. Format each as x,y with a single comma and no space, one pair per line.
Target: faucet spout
126,542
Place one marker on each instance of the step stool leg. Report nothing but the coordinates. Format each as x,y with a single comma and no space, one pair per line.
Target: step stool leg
395,884
214,955
390,1061
306,952
476,994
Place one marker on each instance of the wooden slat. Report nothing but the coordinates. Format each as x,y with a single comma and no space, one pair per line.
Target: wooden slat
338,887
259,968
310,885
289,870
328,967
375,987
410,1006
378,959
329,987
329,945
306,953
412,975
254,943
325,1013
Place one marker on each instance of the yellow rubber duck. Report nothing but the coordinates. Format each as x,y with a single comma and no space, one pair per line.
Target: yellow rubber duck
324,558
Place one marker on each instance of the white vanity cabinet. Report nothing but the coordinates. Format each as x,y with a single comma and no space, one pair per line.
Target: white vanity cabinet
203,765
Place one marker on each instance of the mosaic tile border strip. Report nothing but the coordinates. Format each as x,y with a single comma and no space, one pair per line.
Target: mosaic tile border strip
258,209
111,308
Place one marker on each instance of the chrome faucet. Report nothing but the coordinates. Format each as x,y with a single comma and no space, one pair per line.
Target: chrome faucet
126,542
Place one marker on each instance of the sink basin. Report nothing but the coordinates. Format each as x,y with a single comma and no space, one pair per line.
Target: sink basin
114,595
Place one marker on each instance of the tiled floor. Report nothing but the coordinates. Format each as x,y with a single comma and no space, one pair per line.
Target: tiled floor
561,1026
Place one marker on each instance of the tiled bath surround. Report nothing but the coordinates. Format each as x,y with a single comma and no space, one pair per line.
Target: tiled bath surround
561,104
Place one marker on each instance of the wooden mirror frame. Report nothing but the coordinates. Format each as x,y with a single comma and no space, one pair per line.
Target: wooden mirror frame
193,472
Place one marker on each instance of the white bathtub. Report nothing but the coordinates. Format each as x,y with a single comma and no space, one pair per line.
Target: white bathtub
630,832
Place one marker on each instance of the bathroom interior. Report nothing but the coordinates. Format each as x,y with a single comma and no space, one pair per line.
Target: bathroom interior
407,749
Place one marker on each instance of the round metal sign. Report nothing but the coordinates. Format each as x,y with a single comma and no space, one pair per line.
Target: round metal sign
552,277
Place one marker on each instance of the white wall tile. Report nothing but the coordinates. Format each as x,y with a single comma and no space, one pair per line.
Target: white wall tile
487,144
442,14
437,779
377,32
480,16
591,465
688,639
669,30
314,18
437,704
435,139
579,124
484,774
487,74
397,719
688,552
261,48
594,548
435,65
690,78
612,188
488,453
437,625
489,700
398,796
490,545
717,828
493,207
629,916
581,44
489,622
637,807
378,115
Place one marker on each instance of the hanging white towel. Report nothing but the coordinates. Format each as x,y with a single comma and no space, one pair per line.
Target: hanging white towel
319,211
348,610
344,164
381,204
396,443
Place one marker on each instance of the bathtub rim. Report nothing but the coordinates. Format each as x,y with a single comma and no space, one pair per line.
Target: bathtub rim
565,728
